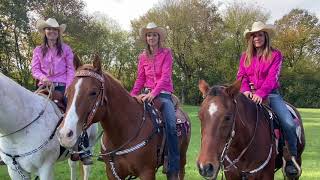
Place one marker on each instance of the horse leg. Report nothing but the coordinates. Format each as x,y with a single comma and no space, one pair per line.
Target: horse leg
46,172
73,166
16,176
182,166
86,170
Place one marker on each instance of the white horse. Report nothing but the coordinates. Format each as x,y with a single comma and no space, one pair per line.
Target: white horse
27,131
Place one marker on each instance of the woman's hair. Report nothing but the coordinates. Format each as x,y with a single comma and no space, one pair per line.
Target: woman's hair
251,50
148,48
45,45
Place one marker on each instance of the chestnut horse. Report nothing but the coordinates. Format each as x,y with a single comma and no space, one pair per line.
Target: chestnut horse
129,138
236,136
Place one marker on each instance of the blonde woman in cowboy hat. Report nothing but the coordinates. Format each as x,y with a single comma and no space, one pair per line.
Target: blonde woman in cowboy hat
52,63
259,70
155,75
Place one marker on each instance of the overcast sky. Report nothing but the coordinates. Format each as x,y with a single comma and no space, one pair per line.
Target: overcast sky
122,11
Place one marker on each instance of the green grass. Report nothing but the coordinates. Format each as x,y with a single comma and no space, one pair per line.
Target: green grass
310,166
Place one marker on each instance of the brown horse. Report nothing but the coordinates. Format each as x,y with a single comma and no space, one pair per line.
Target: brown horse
236,136
130,144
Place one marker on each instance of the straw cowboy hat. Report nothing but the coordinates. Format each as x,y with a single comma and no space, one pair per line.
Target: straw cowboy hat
259,26
51,22
152,27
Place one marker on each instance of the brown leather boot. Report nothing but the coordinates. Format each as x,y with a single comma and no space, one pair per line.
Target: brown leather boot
292,169
87,160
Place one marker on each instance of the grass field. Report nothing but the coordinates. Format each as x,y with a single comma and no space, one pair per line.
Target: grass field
311,158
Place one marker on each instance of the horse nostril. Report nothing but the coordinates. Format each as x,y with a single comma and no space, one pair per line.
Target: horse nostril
70,133
208,168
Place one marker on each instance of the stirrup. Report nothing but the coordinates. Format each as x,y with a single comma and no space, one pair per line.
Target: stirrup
293,159
294,163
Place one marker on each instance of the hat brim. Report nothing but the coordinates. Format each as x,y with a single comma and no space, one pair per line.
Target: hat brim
42,24
161,31
270,31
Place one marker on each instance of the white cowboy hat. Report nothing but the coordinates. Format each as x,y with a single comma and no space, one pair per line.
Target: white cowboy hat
152,27
51,22
259,26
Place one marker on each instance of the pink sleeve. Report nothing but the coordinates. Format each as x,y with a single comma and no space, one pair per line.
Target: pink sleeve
36,64
141,78
272,78
69,65
242,75
166,74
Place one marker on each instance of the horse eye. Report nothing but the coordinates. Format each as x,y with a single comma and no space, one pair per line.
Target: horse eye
227,117
93,93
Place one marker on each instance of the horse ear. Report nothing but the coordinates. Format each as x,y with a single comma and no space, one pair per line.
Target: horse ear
76,62
97,63
234,89
203,87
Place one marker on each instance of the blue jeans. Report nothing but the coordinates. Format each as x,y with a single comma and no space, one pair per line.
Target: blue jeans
60,88
169,116
278,105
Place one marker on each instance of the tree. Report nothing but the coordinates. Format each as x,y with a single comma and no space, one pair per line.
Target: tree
194,29
238,17
298,37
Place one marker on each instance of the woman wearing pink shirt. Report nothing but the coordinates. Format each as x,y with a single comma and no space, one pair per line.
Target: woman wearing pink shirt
259,70
155,75
52,63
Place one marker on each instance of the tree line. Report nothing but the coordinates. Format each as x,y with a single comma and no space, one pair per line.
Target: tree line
206,43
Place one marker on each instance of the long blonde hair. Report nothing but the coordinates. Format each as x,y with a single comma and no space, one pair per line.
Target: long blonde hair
251,50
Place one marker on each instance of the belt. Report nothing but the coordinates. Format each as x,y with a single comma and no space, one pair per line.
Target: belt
58,84
147,90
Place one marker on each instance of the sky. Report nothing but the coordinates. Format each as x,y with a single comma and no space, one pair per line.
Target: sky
122,11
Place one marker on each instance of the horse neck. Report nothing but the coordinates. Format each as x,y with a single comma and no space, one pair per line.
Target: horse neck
18,106
246,126
122,115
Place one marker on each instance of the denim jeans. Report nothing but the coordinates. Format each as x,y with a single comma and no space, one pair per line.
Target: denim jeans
169,116
278,105
60,88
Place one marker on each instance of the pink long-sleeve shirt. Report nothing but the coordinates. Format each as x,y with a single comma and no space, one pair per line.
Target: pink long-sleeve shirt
263,74
154,73
55,68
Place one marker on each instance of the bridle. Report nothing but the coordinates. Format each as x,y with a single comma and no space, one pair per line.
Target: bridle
100,100
232,163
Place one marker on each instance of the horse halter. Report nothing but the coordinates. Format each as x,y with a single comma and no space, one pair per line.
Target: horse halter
100,99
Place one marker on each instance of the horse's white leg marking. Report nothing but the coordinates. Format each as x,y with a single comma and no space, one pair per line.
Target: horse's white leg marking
73,171
212,109
86,170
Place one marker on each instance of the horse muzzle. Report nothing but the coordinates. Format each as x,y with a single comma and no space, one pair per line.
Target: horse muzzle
67,138
208,171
